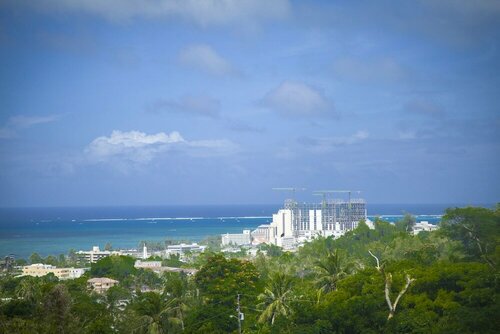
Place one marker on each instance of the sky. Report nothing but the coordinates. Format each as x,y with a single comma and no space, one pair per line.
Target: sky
166,102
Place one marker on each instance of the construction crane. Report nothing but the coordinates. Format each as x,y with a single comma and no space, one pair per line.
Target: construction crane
325,192
293,190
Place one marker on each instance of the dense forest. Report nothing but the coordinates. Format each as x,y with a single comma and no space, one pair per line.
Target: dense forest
382,280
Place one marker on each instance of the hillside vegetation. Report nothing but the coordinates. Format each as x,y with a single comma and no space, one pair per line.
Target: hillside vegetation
382,280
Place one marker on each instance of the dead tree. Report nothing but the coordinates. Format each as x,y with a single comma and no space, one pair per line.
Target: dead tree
388,283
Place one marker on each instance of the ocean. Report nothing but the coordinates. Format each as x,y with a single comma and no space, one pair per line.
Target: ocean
53,231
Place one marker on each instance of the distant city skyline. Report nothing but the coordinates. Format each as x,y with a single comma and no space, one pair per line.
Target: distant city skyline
184,102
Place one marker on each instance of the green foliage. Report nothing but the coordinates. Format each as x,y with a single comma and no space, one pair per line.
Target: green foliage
407,223
172,261
454,288
478,229
117,267
147,278
35,258
220,281
276,298
330,270
222,278
212,242
175,284
21,262
271,250
154,314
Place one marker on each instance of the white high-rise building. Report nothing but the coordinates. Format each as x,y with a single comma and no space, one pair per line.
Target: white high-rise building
304,221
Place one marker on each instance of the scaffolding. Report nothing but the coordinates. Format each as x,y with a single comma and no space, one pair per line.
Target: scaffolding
329,215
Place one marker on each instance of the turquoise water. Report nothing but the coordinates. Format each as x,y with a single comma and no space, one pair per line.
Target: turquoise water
56,230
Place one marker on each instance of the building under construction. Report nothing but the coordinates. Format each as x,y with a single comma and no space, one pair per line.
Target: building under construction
297,222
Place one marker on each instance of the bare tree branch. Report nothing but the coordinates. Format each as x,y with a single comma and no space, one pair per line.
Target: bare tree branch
388,285
376,258
409,280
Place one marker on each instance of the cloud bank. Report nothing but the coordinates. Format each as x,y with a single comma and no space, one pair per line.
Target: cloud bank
204,13
204,58
16,123
297,99
139,147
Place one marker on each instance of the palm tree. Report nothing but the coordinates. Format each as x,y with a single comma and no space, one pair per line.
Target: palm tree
330,271
156,314
276,298
178,288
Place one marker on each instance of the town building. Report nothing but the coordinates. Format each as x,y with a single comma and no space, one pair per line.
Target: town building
101,284
424,226
39,269
183,249
147,264
299,222
237,239
157,267
94,255
261,234
187,271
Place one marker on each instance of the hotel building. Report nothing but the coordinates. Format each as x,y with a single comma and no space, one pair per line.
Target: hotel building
297,222
39,269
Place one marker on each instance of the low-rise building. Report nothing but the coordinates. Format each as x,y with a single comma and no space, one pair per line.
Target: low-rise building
424,226
147,264
94,255
157,267
187,271
182,249
101,284
261,234
39,269
287,243
237,239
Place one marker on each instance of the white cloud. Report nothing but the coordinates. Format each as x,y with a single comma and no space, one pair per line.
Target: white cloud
28,121
297,99
15,123
200,105
202,12
139,147
204,58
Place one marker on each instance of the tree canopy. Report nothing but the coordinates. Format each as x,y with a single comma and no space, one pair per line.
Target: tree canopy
382,280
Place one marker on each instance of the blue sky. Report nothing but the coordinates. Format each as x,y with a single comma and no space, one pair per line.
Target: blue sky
209,102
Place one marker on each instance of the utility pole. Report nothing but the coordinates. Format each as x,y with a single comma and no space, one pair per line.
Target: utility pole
239,313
